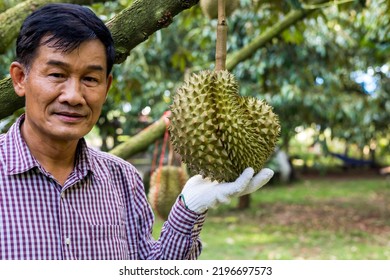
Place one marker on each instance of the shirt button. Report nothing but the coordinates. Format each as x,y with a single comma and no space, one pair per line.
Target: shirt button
67,241
62,194
195,226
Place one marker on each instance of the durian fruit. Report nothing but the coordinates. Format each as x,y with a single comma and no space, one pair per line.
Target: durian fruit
210,7
217,132
166,183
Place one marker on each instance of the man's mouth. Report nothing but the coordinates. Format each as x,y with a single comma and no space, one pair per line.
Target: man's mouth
69,116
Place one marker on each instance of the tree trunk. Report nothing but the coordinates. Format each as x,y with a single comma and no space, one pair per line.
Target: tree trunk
142,140
9,101
244,202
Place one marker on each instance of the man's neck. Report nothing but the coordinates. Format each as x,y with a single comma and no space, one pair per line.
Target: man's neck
56,157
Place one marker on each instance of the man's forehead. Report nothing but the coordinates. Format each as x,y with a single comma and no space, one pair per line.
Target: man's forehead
91,52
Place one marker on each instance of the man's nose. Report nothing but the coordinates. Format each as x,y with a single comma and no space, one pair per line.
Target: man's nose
72,93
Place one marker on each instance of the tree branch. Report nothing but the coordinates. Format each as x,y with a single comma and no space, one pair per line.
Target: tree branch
135,24
246,52
142,140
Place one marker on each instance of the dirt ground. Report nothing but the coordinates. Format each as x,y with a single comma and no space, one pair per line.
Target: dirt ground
336,215
340,173
370,214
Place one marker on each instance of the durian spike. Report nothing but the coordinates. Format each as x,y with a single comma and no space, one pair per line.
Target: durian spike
220,52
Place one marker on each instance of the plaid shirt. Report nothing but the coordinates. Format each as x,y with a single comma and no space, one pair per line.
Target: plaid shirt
100,213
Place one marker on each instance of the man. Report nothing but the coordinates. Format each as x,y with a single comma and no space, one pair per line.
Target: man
60,199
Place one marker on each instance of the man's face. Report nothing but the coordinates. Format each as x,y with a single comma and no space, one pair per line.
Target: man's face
64,92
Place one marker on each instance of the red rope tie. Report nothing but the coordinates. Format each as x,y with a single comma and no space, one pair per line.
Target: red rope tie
166,116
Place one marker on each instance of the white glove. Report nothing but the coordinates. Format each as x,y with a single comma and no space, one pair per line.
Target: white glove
200,194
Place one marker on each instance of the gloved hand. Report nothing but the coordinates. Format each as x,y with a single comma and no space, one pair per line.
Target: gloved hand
200,194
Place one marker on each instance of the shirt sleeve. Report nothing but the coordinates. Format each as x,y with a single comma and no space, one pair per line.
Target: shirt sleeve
179,238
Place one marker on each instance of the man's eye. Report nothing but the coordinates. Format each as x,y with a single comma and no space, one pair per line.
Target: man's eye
91,81
56,75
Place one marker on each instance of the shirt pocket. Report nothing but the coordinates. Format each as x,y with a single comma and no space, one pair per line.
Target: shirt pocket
110,242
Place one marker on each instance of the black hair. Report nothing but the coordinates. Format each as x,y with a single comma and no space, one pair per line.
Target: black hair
66,27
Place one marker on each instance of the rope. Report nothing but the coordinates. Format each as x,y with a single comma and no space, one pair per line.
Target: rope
161,160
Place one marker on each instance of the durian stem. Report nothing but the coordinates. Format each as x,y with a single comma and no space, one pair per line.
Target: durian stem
220,52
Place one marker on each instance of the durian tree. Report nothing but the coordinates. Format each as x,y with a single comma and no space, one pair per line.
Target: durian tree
267,51
327,91
269,57
136,31
300,56
279,50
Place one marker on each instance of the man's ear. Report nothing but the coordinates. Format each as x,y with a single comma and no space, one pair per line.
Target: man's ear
18,76
109,82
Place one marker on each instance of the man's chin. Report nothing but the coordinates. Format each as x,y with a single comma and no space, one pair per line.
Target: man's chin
69,134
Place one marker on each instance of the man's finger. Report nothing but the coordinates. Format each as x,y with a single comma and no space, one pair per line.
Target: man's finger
262,178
